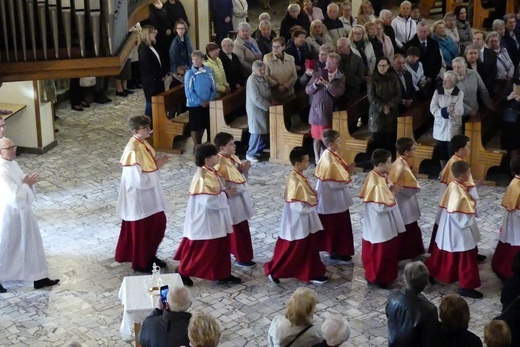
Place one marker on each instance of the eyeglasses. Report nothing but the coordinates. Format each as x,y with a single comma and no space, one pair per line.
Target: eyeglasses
147,127
10,148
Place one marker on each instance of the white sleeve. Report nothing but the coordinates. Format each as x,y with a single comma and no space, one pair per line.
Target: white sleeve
213,202
301,207
462,220
18,196
138,179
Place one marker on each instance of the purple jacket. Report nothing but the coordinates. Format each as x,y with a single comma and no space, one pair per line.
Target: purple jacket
324,99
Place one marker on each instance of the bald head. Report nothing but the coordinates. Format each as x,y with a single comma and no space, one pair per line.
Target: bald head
7,149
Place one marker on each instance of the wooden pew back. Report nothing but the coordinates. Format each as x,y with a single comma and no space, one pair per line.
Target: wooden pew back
222,111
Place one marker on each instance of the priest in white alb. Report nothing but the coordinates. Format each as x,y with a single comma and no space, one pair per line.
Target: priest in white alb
22,257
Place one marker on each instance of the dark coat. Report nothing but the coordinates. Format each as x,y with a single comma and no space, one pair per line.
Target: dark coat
265,45
409,92
288,22
437,335
382,90
233,70
151,71
489,68
299,60
408,315
165,329
176,11
352,66
160,19
509,42
390,32
220,9
510,292
432,60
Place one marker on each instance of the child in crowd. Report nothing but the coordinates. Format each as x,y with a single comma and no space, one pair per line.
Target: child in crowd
416,13
296,252
235,172
509,242
410,242
381,223
497,334
415,67
454,252
334,200
205,246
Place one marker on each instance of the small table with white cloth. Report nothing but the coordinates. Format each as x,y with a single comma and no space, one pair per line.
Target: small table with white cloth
139,302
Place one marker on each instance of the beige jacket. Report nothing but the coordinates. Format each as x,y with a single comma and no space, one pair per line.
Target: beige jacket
247,56
280,72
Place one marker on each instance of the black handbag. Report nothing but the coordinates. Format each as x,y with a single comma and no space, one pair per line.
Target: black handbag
510,115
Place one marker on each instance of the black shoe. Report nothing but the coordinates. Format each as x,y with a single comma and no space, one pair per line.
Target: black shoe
273,279
159,262
2,289
186,280
123,94
102,99
245,264
230,280
128,91
335,256
378,285
470,293
481,257
45,282
319,280
431,280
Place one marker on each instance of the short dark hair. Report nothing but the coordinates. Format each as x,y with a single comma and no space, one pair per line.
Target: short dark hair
137,122
497,334
415,51
459,167
211,46
297,154
458,142
380,156
515,266
454,312
299,32
404,144
457,10
222,139
204,151
329,136
279,39
515,165
416,7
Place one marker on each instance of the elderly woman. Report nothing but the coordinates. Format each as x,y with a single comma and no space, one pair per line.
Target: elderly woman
362,47
264,37
323,53
313,12
232,68
203,330
463,27
348,20
151,66
258,100
294,16
377,44
280,71
325,86
299,49
297,327
180,49
505,66
264,16
199,87
335,330
384,95
472,86
219,75
408,311
246,48
447,107
141,202
317,37
365,13
388,47
451,27
448,48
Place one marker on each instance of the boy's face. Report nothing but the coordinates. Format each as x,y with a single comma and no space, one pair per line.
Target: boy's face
304,164
466,151
416,13
412,59
385,167
334,146
410,153
465,176
211,161
229,148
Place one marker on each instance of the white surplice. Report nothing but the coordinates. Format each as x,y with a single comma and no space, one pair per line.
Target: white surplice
408,205
299,220
381,222
457,232
240,205
333,197
22,256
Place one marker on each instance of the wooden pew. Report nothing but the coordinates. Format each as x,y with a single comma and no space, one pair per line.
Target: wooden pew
164,130
283,135
343,121
417,124
426,6
451,4
481,13
221,113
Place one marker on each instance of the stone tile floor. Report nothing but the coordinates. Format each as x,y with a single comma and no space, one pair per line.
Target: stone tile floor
76,212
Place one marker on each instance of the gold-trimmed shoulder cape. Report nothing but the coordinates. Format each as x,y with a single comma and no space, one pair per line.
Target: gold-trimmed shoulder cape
447,175
140,153
511,200
375,189
299,189
206,181
227,168
331,167
457,199
401,172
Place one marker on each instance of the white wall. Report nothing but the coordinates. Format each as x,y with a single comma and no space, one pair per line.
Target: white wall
203,21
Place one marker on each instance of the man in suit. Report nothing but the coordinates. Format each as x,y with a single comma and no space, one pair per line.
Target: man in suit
352,66
405,80
431,58
221,14
488,58
511,39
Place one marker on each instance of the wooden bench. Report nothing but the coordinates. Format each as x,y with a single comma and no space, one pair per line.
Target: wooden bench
283,134
165,130
417,124
481,13
223,112
344,121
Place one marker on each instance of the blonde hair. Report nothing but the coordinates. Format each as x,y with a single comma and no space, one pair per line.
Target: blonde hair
145,34
356,27
497,334
436,24
203,330
301,306
365,2
313,26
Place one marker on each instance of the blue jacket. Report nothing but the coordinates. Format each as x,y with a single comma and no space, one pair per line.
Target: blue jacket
448,48
180,54
199,86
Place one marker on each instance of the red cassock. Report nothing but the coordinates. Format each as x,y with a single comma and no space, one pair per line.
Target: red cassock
410,242
139,240
240,242
379,260
503,259
336,236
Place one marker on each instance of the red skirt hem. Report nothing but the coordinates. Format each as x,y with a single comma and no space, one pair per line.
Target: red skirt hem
380,260
410,242
240,242
503,259
432,239
336,236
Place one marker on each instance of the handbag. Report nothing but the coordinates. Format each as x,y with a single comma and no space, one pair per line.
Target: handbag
87,82
510,115
299,334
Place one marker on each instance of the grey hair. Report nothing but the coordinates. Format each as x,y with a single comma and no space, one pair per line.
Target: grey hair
472,46
244,26
179,299
263,23
405,3
452,75
264,16
415,276
227,39
449,15
461,61
346,3
197,54
294,7
336,330
423,24
258,64
498,23
327,47
335,56
346,40
384,13
492,34
331,5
